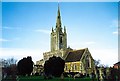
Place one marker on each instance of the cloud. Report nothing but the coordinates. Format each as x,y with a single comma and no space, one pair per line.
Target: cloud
115,24
115,32
10,28
43,31
6,27
19,53
107,56
4,40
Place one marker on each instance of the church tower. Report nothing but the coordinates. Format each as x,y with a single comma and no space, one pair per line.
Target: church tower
58,36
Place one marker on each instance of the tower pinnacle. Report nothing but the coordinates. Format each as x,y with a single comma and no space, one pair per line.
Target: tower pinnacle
52,29
64,29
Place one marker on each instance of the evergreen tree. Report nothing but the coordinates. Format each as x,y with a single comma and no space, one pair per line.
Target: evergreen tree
54,66
25,66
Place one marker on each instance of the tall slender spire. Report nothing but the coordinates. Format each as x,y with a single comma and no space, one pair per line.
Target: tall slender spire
58,22
58,37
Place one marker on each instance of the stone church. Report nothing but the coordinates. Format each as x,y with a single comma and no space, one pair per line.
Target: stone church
79,60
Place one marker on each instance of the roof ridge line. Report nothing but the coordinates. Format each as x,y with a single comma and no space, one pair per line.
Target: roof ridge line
78,49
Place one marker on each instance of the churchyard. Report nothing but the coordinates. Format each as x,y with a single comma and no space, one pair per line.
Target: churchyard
41,78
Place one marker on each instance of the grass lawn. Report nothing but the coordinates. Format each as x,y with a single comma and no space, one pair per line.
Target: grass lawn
38,78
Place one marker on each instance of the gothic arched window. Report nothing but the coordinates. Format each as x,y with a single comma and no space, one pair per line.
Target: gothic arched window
87,62
60,39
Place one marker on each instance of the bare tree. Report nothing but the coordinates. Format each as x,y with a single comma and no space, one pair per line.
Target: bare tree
8,66
97,62
8,62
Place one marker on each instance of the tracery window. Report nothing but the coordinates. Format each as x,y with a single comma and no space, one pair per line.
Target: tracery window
87,62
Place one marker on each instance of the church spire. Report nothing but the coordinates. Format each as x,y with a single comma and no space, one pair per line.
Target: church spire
58,22
58,37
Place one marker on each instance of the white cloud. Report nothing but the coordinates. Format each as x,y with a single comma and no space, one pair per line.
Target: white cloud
43,31
107,56
6,27
10,28
4,40
19,53
115,24
115,32
9,40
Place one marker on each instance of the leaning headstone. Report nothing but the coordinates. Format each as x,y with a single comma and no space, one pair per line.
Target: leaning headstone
62,77
17,78
101,74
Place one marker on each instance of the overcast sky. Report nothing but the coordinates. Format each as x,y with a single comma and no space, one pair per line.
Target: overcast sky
26,28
